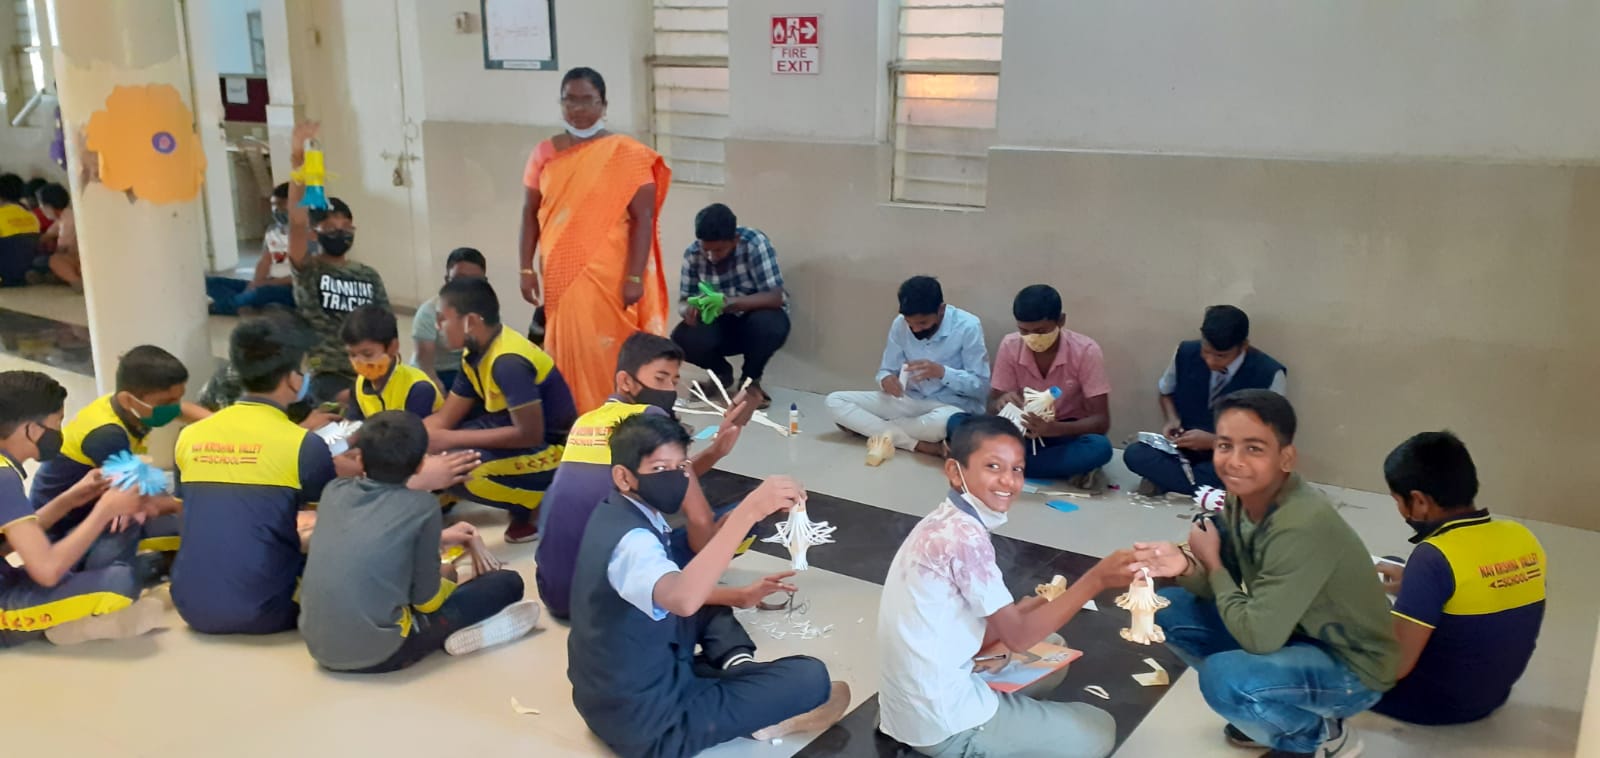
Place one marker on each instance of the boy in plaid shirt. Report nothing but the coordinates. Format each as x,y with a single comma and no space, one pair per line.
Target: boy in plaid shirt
740,264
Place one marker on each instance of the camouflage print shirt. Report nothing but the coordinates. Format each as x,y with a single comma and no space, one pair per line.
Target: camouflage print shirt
222,390
326,292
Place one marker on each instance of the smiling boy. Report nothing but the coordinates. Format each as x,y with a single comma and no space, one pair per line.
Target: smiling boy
1309,644
945,600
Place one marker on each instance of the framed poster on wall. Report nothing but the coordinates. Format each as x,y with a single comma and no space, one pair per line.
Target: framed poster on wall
519,35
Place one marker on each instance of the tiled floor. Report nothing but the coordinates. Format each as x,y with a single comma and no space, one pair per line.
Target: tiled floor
176,693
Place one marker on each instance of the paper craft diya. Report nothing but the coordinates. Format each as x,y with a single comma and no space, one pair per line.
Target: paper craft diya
1142,601
1211,499
1053,590
800,533
145,142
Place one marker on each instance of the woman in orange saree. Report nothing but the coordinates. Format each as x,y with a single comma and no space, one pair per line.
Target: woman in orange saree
593,199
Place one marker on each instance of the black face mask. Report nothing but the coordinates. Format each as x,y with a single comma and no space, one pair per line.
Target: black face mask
336,243
663,490
49,444
663,399
929,332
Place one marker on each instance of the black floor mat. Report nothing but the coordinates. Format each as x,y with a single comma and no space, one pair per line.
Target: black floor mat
865,545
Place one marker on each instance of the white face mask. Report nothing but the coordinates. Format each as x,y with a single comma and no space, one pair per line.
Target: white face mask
599,126
992,519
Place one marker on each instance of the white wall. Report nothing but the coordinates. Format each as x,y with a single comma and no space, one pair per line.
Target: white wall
229,36
609,36
1479,79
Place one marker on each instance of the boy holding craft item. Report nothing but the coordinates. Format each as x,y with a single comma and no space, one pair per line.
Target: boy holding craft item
150,386
383,382
934,366
1044,356
646,383
44,597
1310,643
1469,602
374,599
944,601
630,599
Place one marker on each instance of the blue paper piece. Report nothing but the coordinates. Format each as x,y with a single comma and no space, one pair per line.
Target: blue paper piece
1062,505
128,472
1038,483
706,433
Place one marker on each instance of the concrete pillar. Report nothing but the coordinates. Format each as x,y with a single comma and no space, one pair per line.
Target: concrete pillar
143,262
1589,732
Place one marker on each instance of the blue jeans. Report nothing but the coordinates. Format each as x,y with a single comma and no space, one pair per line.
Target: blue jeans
228,295
1057,457
1166,472
1282,699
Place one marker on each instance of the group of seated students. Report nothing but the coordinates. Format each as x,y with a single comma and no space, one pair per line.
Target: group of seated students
1275,602
38,234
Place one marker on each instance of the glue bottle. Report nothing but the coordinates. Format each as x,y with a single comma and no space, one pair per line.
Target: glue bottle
794,418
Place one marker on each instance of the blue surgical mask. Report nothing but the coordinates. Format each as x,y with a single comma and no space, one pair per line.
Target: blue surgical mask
599,126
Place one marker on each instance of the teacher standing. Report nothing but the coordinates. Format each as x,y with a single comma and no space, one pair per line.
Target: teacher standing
593,199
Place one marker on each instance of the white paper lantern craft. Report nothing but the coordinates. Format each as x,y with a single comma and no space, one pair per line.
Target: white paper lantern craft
800,533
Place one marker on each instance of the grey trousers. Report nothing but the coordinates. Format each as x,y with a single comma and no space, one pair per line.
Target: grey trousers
1024,728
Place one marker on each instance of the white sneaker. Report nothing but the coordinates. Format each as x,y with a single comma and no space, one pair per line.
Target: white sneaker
515,621
1345,744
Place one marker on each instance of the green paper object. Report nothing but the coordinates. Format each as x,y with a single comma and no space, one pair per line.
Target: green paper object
710,302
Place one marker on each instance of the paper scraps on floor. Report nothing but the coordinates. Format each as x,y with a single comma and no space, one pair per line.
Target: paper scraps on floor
1157,678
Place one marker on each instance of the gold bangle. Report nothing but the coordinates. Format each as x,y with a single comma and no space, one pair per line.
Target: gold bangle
636,280
527,272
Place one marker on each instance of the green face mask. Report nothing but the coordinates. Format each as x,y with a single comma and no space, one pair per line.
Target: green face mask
161,415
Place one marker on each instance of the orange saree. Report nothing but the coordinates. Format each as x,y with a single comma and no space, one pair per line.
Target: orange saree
583,242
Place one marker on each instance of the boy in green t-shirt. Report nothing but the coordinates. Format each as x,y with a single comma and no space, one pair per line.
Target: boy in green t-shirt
1310,643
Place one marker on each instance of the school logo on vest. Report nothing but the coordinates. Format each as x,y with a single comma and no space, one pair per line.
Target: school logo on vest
226,453
345,295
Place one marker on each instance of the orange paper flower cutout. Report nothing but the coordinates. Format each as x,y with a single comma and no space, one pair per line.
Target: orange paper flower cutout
146,143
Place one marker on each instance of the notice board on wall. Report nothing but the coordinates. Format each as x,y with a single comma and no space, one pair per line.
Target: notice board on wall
519,35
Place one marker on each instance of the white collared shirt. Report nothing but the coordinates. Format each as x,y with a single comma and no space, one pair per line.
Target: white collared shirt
639,561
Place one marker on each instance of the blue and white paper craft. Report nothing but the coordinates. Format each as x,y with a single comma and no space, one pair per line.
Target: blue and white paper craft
128,472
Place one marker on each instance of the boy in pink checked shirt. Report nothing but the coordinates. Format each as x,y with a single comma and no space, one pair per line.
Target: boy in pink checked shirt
1042,354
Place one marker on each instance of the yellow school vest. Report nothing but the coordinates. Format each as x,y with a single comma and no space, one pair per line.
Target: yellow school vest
393,395
1498,565
97,414
15,219
247,443
506,343
590,440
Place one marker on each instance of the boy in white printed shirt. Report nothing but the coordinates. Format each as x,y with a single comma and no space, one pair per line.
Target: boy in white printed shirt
945,600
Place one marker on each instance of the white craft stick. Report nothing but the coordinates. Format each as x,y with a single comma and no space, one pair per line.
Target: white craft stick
522,710
700,393
722,389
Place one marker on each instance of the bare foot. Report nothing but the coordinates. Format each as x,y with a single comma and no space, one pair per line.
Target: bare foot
935,449
816,720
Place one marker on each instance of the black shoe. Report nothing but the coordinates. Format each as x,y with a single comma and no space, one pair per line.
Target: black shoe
1238,738
755,390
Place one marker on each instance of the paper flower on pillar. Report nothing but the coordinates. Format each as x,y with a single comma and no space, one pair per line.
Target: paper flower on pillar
145,141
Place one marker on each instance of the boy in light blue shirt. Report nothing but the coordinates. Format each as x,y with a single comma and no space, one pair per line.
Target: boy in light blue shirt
934,366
